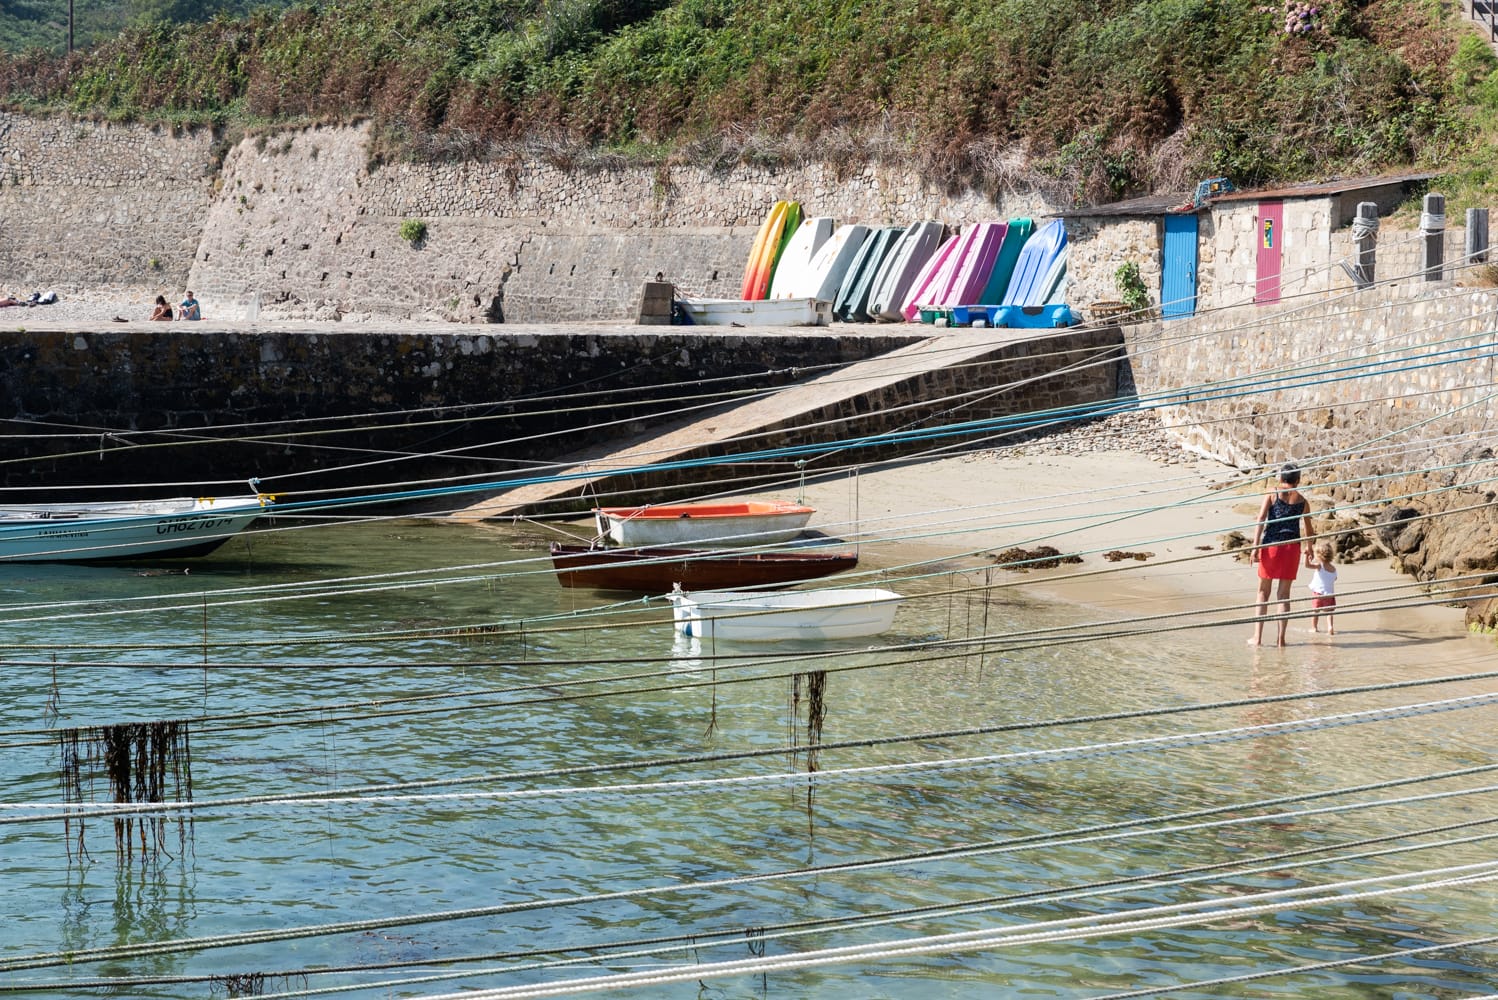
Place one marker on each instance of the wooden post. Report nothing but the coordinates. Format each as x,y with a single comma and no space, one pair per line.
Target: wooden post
1365,232
1477,236
1433,225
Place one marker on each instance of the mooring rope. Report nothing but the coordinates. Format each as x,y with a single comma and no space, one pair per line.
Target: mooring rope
642,947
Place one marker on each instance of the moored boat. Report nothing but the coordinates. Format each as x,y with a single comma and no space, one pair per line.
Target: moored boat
769,616
130,529
657,570
713,522
757,312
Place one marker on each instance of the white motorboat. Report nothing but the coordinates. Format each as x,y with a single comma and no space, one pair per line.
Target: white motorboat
772,615
131,529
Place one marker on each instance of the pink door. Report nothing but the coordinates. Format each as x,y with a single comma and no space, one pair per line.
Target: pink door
1270,235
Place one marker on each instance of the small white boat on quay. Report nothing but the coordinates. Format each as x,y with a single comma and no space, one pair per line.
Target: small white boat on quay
774,615
128,529
758,312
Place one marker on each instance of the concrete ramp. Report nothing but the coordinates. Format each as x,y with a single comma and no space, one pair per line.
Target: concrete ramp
955,377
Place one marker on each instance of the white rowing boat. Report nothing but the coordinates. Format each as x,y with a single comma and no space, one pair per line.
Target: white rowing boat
708,522
131,529
768,616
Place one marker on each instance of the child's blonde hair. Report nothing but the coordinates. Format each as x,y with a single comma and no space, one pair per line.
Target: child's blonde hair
1325,552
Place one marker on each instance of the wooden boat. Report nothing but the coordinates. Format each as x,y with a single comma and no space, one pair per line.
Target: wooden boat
657,570
730,522
78,532
757,312
769,616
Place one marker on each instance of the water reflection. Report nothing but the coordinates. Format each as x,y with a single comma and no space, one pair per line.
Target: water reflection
595,706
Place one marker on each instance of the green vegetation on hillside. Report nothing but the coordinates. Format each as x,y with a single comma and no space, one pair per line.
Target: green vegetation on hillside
43,24
1107,97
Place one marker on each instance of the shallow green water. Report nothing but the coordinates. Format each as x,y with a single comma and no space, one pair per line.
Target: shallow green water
536,678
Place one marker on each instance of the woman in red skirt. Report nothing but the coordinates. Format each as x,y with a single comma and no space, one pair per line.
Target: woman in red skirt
1281,538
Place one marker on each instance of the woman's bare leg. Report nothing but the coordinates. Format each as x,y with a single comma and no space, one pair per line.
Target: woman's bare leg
1263,609
1282,594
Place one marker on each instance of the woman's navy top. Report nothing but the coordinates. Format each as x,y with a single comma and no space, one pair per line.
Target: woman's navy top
1283,524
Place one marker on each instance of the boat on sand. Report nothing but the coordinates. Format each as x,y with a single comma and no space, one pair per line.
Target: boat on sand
657,570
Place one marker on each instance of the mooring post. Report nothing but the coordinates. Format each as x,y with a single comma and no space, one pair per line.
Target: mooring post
1433,225
1477,236
1365,232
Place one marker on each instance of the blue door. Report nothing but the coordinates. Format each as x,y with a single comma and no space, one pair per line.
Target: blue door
1178,271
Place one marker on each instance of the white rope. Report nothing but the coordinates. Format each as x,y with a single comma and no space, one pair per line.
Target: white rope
1047,932
57,810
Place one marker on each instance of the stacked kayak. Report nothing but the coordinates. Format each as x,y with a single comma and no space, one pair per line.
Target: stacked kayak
984,274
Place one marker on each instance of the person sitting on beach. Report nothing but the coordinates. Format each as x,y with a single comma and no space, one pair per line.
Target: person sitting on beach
1323,586
1283,532
162,310
189,308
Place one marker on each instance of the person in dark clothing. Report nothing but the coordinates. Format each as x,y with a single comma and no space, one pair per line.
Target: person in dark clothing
1281,537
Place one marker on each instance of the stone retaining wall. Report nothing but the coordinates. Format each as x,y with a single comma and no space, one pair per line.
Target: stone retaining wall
1368,391
93,203
302,225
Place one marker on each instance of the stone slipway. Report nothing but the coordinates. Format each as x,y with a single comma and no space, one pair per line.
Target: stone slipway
950,378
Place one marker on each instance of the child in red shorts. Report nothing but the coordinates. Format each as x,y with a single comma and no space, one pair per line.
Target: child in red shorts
1323,586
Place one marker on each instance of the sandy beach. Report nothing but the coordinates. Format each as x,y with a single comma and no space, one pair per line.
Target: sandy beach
1080,492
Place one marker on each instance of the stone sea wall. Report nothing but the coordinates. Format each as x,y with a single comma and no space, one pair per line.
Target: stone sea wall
1367,391
394,404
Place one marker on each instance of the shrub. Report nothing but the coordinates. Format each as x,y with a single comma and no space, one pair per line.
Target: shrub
413,231
1131,287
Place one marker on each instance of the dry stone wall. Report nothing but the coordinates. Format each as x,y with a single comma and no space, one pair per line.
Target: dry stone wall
303,225
308,228
88,204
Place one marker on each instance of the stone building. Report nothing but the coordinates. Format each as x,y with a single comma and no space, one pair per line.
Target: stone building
1241,247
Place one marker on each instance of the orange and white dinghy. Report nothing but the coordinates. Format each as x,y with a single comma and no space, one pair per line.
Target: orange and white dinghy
711,522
